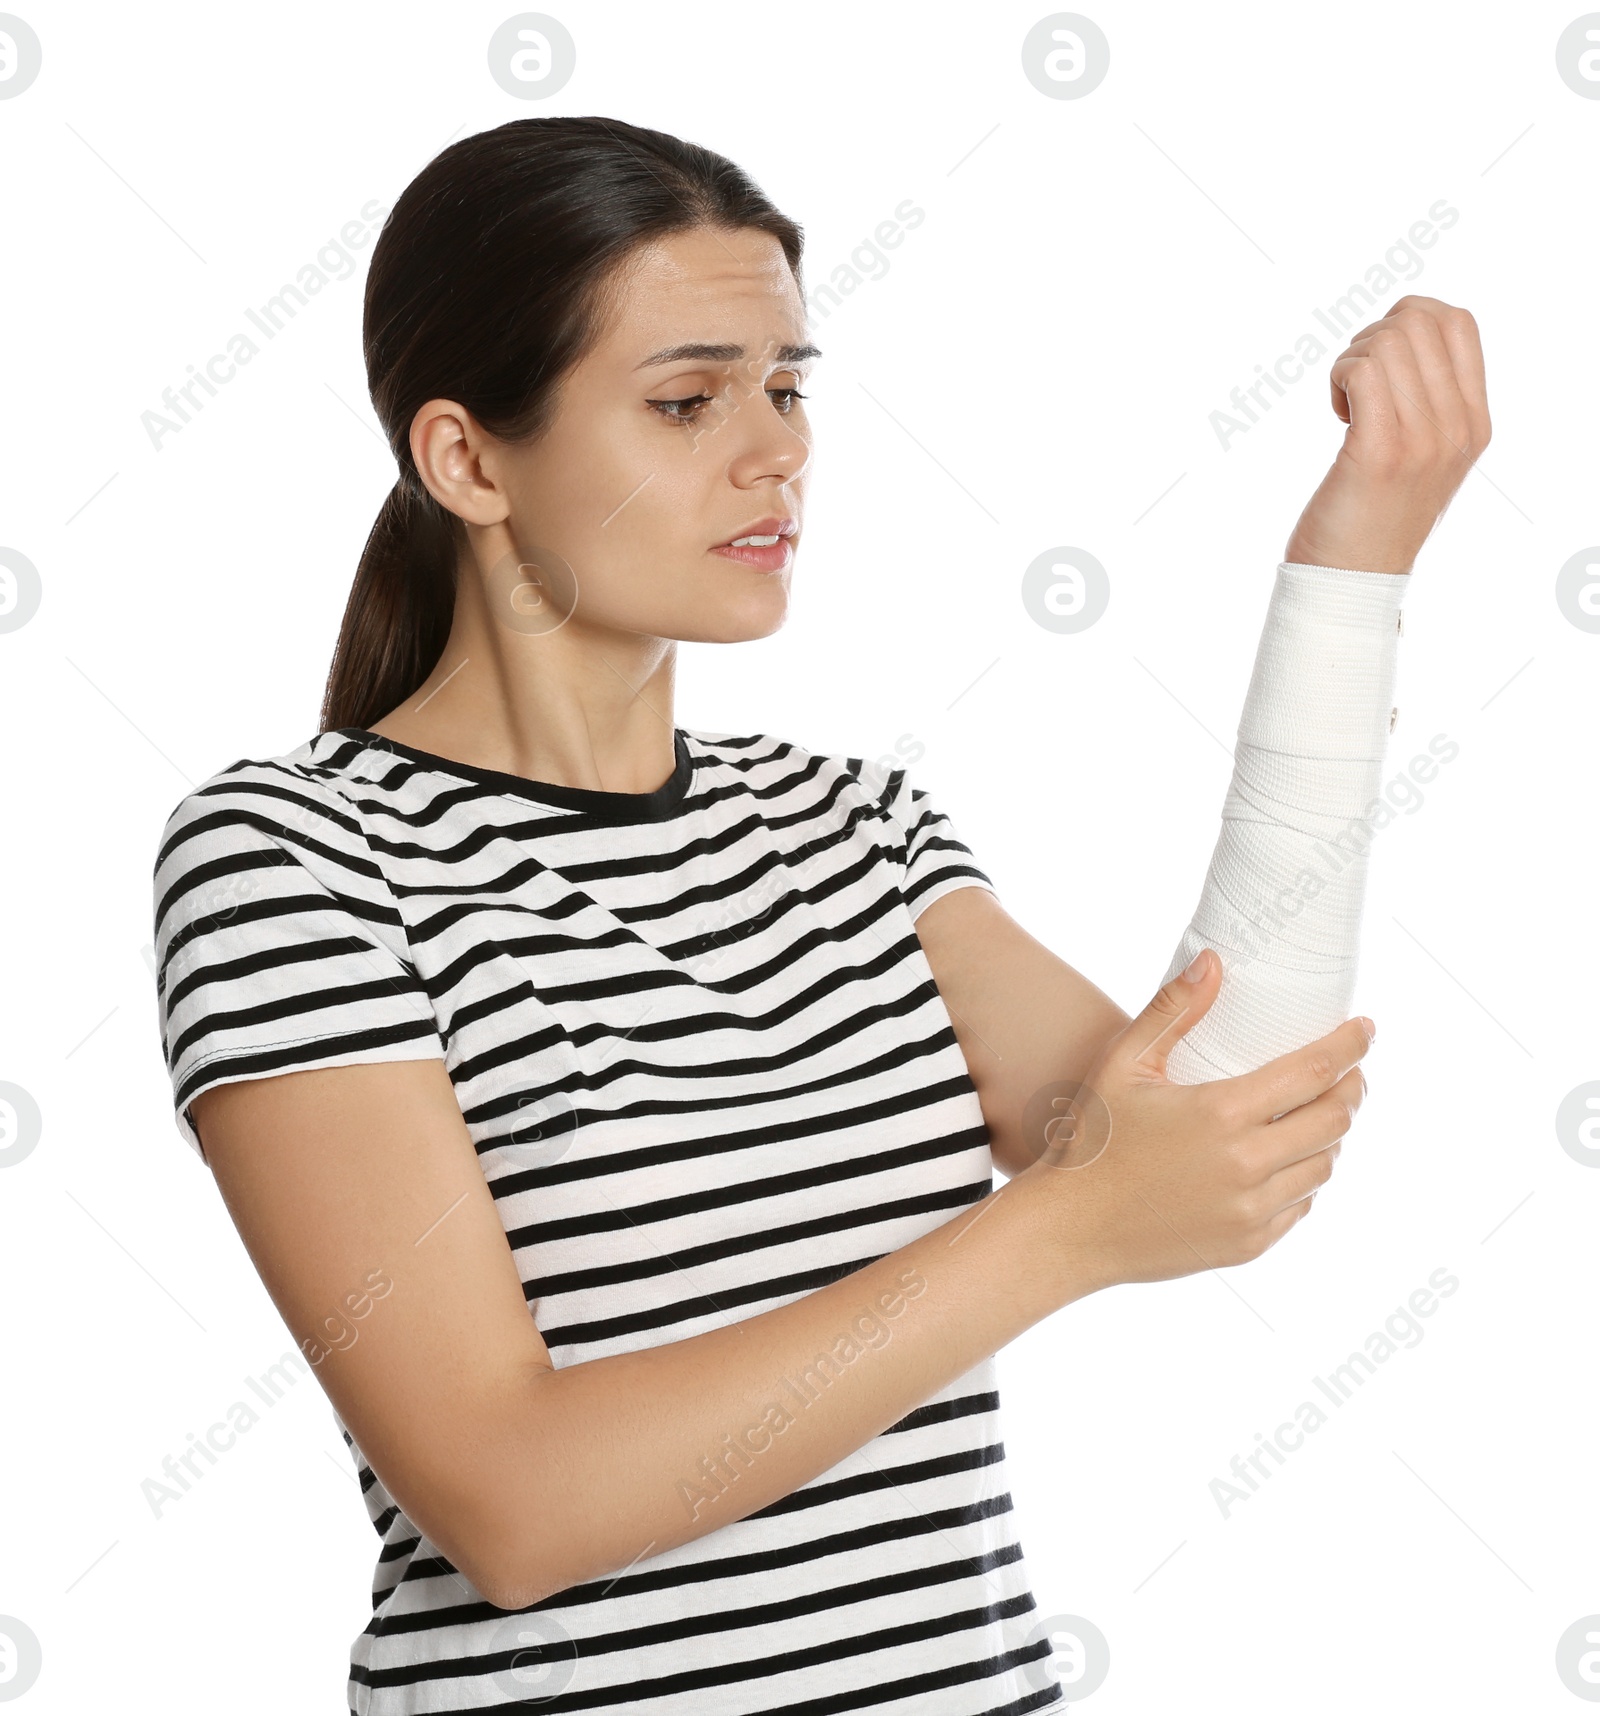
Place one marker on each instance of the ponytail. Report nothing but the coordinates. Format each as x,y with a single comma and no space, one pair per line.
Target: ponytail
401,606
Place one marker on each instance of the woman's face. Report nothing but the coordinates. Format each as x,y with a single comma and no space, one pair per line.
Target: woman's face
677,433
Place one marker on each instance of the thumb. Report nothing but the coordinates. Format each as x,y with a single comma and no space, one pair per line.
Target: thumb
1144,1043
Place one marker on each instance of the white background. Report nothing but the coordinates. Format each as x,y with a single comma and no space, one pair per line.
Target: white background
1036,366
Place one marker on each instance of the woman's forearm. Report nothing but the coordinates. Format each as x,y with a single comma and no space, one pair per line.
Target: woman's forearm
1283,895
606,1461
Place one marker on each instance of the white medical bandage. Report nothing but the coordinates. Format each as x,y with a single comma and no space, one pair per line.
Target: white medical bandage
1283,895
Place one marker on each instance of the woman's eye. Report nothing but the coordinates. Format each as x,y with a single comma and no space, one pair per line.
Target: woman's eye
688,410
672,409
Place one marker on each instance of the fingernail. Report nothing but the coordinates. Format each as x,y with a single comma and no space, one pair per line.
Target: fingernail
1196,967
1371,1029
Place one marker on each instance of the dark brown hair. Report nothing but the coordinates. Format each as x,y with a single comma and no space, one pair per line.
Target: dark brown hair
490,280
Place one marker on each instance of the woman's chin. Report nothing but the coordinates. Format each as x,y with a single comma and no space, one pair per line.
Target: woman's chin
741,620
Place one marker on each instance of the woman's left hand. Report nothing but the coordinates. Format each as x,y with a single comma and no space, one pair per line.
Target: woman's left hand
1411,389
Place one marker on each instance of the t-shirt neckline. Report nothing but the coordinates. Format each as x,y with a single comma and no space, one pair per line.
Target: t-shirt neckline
603,805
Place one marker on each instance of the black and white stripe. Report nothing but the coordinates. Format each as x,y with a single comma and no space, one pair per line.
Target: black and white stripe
707,1070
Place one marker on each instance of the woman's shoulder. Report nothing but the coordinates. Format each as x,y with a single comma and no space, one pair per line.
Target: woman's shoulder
771,759
272,795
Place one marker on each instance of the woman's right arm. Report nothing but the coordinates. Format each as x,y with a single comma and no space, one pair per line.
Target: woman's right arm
531,1478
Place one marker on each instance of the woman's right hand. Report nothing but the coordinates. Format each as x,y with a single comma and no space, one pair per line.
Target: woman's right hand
1145,1180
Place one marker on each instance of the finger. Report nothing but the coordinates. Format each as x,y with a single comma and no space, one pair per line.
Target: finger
1286,1219
1341,400
1371,409
1314,1125
1432,358
1460,331
1382,372
1177,1006
1420,301
1410,301
1301,1181
1361,339
1300,1076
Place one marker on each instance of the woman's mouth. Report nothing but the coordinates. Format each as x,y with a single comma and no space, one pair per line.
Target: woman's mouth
765,553
764,546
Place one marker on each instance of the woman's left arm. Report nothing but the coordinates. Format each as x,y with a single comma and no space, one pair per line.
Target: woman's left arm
1023,1017
1410,389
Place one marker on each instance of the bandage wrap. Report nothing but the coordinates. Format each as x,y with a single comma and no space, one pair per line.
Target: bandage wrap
1283,895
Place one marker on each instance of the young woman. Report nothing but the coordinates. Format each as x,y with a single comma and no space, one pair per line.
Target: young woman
610,1107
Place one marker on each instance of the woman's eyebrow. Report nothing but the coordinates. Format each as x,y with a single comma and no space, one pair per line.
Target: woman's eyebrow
699,352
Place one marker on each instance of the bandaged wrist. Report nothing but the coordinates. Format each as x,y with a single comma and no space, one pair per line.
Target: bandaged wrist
1284,891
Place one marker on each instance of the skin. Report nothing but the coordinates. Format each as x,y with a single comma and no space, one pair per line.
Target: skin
531,1478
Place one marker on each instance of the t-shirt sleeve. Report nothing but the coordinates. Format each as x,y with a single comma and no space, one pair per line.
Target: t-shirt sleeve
278,944
937,860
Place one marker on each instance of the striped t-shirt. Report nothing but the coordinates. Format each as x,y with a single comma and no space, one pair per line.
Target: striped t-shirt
707,1070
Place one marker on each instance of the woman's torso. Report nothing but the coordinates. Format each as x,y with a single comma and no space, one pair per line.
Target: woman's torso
706,1070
